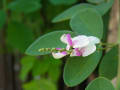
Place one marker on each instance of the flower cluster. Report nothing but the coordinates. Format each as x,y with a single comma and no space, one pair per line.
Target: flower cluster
80,45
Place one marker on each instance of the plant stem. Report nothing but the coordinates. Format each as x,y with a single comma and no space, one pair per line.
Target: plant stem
118,75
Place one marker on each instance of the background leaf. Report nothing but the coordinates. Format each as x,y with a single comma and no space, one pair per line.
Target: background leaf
2,18
100,84
24,6
41,84
50,40
87,22
65,2
19,36
40,67
27,63
67,14
108,66
77,69
96,1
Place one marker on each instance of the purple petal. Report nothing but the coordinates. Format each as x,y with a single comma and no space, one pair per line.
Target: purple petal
78,53
64,53
58,48
69,39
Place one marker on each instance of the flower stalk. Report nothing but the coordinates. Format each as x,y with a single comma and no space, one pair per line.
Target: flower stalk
118,75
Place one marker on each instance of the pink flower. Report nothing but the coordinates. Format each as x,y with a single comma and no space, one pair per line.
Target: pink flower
81,45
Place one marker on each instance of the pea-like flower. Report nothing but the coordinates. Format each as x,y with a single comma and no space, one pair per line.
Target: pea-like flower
80,45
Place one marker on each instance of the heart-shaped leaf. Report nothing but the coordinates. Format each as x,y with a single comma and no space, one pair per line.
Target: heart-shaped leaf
100,84
77,69
87,22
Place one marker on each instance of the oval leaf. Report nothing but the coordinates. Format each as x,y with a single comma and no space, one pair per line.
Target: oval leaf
100,84
108,66
50,40
102,8
87,22
69,12
77,69
96,1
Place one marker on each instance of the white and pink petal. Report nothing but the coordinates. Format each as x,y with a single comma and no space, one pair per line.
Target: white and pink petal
80,41
59,55
93,40
89,50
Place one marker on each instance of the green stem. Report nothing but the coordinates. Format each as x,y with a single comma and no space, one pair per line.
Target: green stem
108,44
118,74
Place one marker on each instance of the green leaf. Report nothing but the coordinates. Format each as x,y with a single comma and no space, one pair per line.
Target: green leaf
67,14
40,67
54,69
41,84
50,40
65,2
87,22
105,6
27,63
108,66
77,69
19,36
24,6
2,18
100,84
96,1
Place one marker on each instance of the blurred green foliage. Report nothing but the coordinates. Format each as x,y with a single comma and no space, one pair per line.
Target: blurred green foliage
23,21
